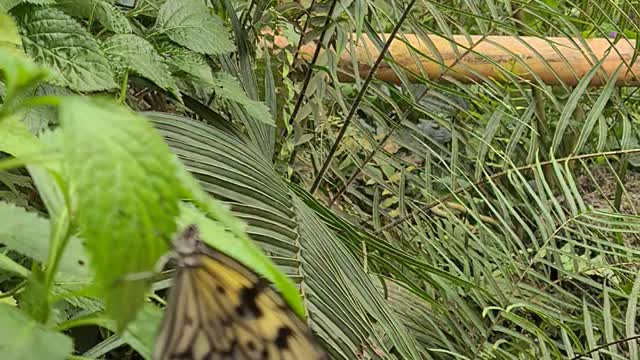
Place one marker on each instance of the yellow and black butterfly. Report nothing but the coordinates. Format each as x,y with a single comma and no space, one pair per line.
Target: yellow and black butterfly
220,309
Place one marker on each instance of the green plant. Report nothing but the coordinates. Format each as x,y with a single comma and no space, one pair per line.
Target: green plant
114,194
114,170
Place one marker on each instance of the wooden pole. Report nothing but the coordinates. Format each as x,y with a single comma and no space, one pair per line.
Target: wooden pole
554,61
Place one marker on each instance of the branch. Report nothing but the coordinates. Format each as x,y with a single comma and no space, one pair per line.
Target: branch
635,337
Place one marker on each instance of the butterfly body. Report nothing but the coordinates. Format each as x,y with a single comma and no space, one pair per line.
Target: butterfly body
220,309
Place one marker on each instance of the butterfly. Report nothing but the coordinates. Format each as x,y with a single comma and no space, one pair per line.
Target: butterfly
220,309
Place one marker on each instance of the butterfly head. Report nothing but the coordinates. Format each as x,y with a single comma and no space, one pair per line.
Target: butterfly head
186,246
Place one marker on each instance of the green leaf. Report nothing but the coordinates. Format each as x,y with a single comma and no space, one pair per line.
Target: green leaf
337,293
55,39
9,34
10,4
8,264
23,338
141,332
243,248
123,179
18,71
49,181
124,50
11,180
229,88
191,24
183,60
16,139
7,5
34,300
149,8
38,118
28,234
103,11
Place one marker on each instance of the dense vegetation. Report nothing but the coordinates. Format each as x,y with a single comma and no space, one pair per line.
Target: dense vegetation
435,220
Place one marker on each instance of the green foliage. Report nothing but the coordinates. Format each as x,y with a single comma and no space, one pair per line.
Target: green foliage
61,39
56,39
108,161
299,242
124,51
101,10
9,34
7,5
23,338
19,72
184,61
227,87
27,233
112,189
191,24
141,333
16,138
148,8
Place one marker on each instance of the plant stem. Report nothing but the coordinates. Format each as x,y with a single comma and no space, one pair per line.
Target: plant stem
356,102
316,54
124,87
6,263
58,242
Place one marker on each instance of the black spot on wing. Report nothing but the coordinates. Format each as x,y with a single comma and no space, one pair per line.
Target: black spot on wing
248,306
282,340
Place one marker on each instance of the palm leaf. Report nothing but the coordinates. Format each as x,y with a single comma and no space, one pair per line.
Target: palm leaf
345,309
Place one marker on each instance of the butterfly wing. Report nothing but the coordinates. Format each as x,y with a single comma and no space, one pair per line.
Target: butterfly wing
219,309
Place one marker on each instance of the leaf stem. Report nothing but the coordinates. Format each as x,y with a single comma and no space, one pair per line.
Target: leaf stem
59,240
8,264
84,321
124,87
620,341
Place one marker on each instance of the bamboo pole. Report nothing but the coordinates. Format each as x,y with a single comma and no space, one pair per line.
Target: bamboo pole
554,61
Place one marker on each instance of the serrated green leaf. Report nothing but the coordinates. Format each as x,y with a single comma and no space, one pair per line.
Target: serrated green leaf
7,5
23,338
191,24
149,8
11,180
9,35
141,333
28,234
229,88
34,300
125,50
55,39
103,11
16,139
183,60
10,4
123,179
18,71
38,118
